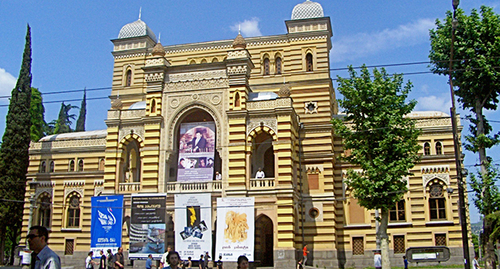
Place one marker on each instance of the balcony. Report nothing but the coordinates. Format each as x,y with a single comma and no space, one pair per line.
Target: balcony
262,183
190,187
129,187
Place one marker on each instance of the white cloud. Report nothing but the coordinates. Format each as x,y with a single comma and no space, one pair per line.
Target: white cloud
248,27
365,44
7,83
433,103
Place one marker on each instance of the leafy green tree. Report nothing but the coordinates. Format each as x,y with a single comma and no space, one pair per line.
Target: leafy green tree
476,76
80,123
65,119
14,157
383,142
37,112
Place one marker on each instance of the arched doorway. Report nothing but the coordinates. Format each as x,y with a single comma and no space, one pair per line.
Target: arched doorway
264,241
263,154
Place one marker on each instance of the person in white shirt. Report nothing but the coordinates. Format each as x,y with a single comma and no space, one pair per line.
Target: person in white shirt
260,174
42,256
218,176
475,263
377,260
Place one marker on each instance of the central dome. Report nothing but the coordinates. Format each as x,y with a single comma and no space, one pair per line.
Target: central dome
136,29
307,10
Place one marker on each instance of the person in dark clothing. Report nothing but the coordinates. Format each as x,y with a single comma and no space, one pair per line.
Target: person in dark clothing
201,263
102,262
110,260
119,260
219,263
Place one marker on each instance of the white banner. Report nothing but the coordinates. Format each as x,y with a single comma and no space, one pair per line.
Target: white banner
235,228
193,225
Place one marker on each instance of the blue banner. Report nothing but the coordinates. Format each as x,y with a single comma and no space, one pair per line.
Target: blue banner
106,223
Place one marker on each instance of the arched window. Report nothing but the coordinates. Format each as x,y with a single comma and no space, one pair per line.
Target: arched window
277,62
153,106
204,61
309,62
73,211
131,169
427,148
215,60
51,167
437,202
43,167
439,148
397,213
71,165
128,78
44,207
80,165
266,66
101,164
237,101
192,62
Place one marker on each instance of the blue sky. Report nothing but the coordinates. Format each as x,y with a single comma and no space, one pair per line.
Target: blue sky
72,49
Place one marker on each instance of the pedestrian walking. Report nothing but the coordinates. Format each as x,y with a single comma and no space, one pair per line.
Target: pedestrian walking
219,263
102,262
201,263
42,256
475,263
304,254
377,260
110,262
405,261
206,259
149,262
89,263
119,260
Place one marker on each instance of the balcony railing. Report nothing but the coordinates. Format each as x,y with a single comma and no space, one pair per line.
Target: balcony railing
129,187
262,183
208,186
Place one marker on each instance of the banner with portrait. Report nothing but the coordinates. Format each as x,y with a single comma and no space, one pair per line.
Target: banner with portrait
106,223
147,226
235,228
193,224
196,151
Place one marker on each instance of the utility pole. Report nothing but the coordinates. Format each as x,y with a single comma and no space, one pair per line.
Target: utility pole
456,143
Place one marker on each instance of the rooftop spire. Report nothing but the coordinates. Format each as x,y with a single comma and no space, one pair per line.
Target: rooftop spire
140,12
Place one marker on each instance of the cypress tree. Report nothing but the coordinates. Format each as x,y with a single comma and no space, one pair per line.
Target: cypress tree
37,112
64,120
80,123
14,156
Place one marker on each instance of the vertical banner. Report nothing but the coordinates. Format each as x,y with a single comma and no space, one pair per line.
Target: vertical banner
147,226
196,151
235,228
193,225
106,223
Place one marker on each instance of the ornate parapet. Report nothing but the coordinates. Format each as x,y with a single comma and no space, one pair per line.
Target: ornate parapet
154,77
157,62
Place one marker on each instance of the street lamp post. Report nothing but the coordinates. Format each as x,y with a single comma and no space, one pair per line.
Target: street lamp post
456,143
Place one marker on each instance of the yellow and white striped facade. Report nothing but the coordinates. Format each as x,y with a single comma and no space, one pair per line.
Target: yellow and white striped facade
286,130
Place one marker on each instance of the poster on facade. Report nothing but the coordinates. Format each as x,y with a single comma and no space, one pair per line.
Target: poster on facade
196,151
193,224
106,223
235,228
147,226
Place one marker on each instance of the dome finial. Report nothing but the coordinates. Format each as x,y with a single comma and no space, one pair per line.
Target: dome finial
140,13
159,37
239,29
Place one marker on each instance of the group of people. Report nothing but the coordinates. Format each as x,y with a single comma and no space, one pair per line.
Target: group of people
174,261
107,261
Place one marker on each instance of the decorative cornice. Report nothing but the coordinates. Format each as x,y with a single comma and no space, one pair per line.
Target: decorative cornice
197,84
154,77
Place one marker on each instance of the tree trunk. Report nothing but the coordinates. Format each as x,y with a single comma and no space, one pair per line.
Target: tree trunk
384,239
2,245
483,161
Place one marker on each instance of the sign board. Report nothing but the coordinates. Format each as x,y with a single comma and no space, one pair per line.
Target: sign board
147,226
428,254
106,223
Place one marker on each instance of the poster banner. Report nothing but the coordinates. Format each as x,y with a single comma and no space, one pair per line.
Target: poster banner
196,151
193,224
147,226
235,228
106,223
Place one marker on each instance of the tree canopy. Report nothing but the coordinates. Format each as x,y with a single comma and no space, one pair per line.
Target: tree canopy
37,112
64,120
80,123
381,139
